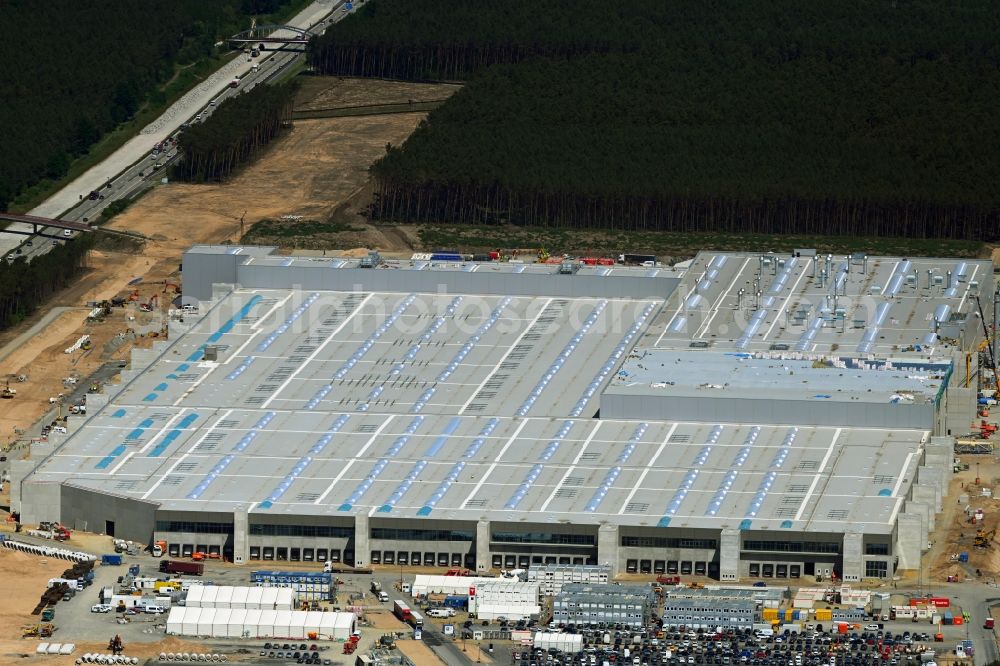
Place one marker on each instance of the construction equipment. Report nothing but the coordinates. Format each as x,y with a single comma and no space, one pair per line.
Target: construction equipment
115,645
7,392
148,306
984,539
168,285
37,630
134,296
986,335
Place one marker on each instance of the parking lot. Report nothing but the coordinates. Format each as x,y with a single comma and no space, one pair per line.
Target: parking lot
603,647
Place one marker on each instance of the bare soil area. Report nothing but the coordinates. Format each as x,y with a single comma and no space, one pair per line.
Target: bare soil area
954,533
329,92
25,577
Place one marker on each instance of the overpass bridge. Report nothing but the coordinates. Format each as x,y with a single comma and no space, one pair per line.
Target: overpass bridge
264,37
39,225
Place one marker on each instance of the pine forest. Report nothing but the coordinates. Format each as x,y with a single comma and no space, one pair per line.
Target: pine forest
843,117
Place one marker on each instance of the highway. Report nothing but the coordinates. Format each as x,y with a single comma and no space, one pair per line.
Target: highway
132,167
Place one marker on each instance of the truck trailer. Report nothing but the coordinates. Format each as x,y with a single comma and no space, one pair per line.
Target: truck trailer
173,566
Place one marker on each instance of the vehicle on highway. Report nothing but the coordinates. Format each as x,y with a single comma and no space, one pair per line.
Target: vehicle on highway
67,233
158,165
29,242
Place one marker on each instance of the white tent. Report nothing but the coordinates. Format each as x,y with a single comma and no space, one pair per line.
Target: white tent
239,599
237,622
286,598
175,620
254,595
265,625
228,596
569,643
313,622
224,596
269,599
342,627
252,622
205,618
194,596
283,624
220,621
510,611
208,596
453,585
190,626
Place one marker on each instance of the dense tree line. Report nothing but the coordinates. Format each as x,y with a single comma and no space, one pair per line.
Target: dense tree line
235,133
26,285
843,117
72,71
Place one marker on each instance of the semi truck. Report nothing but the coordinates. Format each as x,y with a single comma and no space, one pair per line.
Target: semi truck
402,611
637,259
173,566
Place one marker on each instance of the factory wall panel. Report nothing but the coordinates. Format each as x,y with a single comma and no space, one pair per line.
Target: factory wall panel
201,271
715,407
89,510
451,282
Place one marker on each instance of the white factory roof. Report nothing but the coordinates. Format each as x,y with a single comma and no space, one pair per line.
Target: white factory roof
782,375
845,304
413,405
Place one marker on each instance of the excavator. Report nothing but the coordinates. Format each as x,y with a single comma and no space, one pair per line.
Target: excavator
149,306
168,285
984,539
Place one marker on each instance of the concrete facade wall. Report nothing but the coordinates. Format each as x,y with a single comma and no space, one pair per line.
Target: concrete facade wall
910,540
89,510
718,407
262,276
202,270
958,410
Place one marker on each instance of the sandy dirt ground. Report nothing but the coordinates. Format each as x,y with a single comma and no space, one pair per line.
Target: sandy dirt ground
418,653
43,359
325,92
954,533
24,579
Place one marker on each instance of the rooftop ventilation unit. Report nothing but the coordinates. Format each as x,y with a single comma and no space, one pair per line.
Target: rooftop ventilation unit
373,260
568,268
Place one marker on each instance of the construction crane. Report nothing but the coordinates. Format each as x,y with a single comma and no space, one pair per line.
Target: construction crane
984,539
986,334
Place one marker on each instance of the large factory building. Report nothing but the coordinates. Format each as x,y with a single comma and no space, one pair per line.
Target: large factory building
737,416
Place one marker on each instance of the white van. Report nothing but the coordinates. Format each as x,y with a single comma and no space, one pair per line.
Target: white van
152,609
